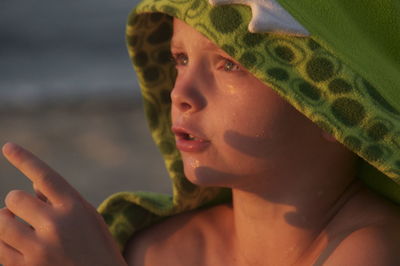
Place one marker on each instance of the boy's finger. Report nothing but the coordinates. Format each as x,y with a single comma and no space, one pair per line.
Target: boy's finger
50,183
13,232
27,207
9,255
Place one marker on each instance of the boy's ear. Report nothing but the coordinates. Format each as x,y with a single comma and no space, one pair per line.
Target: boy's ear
328,136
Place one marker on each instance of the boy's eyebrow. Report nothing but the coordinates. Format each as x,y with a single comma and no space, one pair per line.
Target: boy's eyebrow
208,46
175,45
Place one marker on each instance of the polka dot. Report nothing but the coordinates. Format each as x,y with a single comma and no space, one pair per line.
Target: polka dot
339,86
348,111
377,131
353,143
313,45
140,59
151,114
373,153
165,96
320,69
164,57
121,233
108,218
195,4
310,91
132,40
229,49
379,99
196,9
252,39
137,215
278,74
155,17
285,53
248,60
166,147
161,34
151,74
225,19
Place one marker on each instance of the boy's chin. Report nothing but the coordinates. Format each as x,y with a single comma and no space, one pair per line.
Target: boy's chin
209,177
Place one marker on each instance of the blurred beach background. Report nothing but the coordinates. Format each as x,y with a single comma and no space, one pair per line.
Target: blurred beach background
69,94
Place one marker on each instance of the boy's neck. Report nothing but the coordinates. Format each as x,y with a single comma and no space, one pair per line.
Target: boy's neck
277,225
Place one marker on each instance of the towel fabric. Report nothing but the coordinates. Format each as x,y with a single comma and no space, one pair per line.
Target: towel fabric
343,77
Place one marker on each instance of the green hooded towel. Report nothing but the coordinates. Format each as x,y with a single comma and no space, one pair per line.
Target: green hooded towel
337,62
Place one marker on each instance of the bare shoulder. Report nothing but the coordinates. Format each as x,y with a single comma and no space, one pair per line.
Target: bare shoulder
372,245
373,237
190,231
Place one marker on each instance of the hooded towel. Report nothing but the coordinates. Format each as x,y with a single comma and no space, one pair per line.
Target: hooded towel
337,62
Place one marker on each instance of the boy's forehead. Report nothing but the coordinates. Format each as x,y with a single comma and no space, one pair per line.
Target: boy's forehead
183,32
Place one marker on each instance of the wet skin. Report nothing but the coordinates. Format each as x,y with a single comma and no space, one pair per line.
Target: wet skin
296,199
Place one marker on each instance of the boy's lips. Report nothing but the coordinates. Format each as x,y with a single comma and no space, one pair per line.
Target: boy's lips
188,141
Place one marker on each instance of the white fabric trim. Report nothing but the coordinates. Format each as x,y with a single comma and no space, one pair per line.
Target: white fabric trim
268,16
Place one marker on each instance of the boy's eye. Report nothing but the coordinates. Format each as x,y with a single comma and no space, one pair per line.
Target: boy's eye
231,66
180,59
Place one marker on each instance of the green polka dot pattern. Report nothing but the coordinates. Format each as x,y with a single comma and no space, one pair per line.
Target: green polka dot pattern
312,79
225,19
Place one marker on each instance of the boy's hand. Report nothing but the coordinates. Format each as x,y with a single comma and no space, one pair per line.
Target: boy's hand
61,227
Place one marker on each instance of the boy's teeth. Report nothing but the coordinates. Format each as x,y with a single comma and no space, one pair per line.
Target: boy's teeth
189,137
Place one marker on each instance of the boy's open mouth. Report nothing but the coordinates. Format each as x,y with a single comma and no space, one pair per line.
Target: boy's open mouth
187,141
186,136
183,134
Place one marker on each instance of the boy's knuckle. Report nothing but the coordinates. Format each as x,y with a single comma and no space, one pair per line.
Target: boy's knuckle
45,177
37,254
49,226
71,207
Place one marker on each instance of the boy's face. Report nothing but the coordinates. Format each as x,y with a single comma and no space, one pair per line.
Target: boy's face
242,127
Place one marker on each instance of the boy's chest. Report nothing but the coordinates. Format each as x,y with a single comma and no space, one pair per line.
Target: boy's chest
203,248
194,257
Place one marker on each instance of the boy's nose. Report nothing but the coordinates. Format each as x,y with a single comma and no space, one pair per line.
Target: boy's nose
187,97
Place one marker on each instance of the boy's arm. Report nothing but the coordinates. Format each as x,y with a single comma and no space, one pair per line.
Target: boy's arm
61,228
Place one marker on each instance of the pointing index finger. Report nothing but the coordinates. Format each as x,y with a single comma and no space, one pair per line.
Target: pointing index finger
45,179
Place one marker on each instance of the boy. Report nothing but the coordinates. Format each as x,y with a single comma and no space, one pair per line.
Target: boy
297,198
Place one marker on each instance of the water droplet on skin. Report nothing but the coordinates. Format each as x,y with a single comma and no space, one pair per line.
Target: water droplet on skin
231,89
194,163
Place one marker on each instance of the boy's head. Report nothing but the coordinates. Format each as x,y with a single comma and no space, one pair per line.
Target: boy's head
230,127
305,71
236,106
